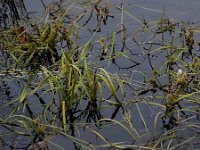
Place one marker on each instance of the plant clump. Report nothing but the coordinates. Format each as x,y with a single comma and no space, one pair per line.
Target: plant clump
63,78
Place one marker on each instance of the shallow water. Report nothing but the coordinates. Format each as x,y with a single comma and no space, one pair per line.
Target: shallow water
140,9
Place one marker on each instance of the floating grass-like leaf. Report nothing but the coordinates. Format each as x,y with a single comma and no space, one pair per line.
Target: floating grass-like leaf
129,14
142,118
25,93
121,125
108,81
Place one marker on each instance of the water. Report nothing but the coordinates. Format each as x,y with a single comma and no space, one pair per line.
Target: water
140,10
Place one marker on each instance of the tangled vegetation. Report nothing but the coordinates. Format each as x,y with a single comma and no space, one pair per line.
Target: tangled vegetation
61,78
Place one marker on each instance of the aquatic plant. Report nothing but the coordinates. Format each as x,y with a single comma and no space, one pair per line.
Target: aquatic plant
63,85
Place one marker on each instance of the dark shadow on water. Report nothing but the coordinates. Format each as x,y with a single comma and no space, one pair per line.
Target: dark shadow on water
32,123
11,12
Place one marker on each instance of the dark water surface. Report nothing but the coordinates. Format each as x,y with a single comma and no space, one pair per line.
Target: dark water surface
179,9
137,12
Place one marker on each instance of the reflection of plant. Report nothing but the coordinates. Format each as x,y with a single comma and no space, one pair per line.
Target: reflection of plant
56,73
66,90
175,81
11,12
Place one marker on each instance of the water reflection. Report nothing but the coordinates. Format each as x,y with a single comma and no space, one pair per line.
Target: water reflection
156,104
11,12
